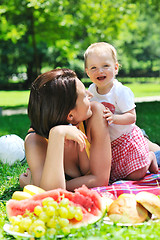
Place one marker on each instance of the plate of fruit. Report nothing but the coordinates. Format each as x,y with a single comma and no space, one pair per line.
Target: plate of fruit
34,212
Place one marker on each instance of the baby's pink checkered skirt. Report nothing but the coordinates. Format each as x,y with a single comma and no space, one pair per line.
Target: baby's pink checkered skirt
129,153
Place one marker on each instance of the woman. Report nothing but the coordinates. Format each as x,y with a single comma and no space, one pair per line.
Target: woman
56,148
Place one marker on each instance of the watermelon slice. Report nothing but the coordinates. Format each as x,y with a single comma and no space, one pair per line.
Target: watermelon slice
92,204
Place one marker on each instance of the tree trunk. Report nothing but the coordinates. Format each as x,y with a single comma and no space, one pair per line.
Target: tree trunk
33,68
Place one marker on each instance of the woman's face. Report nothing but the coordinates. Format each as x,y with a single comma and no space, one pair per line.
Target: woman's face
82,111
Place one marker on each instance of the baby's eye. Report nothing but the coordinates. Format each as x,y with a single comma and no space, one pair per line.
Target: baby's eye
92,68
106,65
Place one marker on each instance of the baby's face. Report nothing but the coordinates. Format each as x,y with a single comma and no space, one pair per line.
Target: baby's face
101,67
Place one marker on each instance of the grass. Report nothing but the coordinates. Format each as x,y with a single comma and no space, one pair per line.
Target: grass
14,124
143,90
14,99
139,89
148,117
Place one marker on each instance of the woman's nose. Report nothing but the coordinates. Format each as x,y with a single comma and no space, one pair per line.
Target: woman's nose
90,95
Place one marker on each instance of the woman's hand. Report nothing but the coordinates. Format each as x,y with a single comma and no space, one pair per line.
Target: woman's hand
72,133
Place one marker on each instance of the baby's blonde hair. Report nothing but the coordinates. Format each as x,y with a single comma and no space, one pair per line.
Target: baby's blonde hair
99,46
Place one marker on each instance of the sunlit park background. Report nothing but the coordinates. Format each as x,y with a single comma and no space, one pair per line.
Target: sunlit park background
40,35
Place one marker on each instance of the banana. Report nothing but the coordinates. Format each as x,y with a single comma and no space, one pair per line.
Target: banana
123,195
19,195
32,190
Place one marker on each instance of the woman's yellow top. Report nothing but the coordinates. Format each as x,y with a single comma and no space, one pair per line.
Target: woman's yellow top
81,127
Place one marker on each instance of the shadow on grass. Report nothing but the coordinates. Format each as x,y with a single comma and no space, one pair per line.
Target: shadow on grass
7,194
14,107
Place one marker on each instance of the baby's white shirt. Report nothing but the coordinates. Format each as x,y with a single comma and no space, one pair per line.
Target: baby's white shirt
119,99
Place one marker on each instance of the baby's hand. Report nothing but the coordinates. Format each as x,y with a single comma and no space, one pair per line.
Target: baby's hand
109,116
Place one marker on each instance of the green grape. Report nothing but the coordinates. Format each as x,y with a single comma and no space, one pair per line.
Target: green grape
19,217
64,202
57,212
78,214
63,212
38,210
22,224
51,231
54,204
34,218
30,230
52,222
39,231
50,211
38,222
71,212
17,228
47,201
66,230
43,216
26,223
63,222
15,220
11,228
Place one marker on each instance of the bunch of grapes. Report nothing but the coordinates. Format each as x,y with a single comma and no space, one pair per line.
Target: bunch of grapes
52,217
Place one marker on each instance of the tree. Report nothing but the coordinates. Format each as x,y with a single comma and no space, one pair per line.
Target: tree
40,34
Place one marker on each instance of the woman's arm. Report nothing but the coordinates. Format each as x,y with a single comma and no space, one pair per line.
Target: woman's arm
45,158
100,151
35,150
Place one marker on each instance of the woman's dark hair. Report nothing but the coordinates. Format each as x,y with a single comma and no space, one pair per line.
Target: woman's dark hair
53,94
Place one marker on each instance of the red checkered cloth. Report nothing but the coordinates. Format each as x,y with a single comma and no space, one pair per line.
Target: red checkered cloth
150,183
129,153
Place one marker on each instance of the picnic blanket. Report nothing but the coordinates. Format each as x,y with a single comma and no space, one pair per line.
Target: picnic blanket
150,183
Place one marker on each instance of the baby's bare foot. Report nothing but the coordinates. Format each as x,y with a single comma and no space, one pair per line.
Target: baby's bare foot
153,166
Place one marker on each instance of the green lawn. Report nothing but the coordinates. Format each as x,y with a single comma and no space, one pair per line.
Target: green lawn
139,89
145,89
13,99
148,117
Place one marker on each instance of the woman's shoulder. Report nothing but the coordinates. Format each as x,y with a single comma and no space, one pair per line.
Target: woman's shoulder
96,124
96,107
97,113
33,138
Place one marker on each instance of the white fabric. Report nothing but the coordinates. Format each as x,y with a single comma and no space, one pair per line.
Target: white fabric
11,149
121,100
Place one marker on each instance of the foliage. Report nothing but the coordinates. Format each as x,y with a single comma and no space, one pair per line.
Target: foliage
36,34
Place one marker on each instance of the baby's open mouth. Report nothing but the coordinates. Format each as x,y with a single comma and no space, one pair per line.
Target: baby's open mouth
101,78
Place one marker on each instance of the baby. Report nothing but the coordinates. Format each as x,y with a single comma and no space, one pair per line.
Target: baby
131,158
